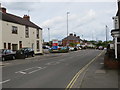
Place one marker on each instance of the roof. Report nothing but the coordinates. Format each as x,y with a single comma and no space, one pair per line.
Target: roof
115,30
71,38
117,13
18,20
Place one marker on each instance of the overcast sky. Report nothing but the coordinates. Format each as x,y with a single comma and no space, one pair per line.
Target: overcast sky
86,19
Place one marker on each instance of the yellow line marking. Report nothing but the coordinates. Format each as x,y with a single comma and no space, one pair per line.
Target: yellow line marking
72,82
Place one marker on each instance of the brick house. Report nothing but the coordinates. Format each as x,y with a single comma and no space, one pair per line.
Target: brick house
71,39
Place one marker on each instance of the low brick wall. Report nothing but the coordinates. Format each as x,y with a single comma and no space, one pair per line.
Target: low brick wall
111,63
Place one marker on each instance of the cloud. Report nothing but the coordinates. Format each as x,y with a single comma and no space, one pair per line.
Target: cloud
57,0
76,21
84,18
19,6
53,21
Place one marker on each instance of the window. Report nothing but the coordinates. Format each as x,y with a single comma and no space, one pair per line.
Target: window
14,30
26,32
9,45
37,34
118,39
38,48
4,45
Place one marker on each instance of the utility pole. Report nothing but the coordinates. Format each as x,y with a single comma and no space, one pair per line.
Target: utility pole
67,22
106,33
67,28
49,35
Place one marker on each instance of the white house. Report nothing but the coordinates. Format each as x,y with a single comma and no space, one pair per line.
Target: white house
116,32
18,32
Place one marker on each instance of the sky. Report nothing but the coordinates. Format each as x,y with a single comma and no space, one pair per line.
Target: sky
85,19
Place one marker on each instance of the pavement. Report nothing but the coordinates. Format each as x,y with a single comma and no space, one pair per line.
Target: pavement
97,76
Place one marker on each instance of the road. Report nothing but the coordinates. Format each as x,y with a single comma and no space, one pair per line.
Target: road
53,71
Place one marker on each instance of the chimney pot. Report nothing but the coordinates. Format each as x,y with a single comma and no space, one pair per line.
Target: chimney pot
78,37
75,35
71,34
26,17
3,9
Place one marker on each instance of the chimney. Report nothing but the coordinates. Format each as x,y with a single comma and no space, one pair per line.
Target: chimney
71,34
3,9
75,35
78,37
26,17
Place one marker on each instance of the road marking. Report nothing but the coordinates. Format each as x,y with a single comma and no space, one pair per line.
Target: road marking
25,69
52,63
72,82
22,72
102,63
5,81
40,68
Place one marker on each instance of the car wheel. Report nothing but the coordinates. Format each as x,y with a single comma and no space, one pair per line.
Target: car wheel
26,56
3,58
13,57
33,55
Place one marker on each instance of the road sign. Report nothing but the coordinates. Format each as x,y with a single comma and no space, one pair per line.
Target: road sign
55,44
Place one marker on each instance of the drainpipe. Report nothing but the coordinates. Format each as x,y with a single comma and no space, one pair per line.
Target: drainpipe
116,56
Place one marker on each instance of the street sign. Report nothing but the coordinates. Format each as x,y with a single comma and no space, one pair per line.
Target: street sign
55,44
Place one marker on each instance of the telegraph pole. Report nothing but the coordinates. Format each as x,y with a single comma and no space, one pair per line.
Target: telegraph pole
106,33
67,28
67,22
49,35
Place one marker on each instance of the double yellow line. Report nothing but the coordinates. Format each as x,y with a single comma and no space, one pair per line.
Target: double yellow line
72,82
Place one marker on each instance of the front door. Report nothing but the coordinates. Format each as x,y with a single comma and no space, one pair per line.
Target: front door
20,44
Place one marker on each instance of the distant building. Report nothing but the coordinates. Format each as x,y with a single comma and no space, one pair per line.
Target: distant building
59,43
116,32
71,39
17,32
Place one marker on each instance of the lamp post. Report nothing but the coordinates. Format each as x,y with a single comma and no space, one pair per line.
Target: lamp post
67,28
67,22
106,33
49,35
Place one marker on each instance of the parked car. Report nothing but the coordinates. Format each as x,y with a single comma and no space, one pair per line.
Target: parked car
25,52
59,50
71,48
6,54
46,49
101,48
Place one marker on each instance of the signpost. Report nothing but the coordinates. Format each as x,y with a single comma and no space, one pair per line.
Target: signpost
55,44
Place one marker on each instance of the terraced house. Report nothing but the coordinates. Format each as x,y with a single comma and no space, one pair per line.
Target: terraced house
18,32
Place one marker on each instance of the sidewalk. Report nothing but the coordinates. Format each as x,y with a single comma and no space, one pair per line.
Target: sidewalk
97,76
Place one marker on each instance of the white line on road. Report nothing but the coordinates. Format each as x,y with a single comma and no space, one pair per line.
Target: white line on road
22,72
25,69
5,81
40,68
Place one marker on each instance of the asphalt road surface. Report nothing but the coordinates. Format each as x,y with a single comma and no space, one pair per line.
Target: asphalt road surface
52,71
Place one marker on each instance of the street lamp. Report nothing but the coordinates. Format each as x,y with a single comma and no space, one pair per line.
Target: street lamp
49,35
67,27
67,22
106,33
